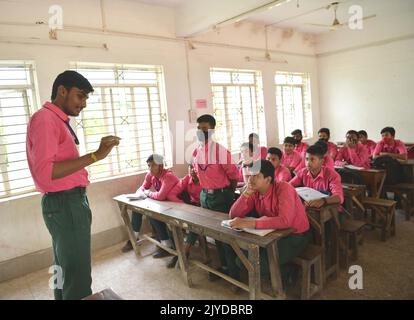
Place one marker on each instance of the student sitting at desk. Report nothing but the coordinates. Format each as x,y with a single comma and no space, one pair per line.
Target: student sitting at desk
319,177
363,138
274,155
327,159
300,146
353,152
259,151
325,134
389,146
291,158
246,157
162,181
277,206
188,189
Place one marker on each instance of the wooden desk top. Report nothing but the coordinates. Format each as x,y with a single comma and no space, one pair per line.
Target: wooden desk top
196,216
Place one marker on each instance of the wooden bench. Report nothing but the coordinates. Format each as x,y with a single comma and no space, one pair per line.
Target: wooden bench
310,260
204,222
106,294
385,209
405,193
353,196
352,233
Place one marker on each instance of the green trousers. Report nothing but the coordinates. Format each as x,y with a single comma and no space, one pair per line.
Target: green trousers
288,247
219,201
68,219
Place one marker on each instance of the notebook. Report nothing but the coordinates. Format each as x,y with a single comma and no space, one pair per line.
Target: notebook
139,195
259,232
309,194
350,166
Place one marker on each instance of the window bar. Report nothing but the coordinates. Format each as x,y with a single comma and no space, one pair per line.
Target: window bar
150,117
115,132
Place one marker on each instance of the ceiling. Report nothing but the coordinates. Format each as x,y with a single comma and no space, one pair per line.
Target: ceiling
290,15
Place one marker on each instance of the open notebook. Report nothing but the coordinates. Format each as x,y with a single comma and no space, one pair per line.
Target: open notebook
259,232
309,194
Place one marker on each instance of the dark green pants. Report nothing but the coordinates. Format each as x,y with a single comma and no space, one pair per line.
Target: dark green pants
219,201
68,219
289,247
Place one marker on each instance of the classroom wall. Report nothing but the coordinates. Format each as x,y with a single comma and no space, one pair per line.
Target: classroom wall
365,77
22,230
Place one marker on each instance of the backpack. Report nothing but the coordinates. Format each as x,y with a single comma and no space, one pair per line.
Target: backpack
392,167
350,176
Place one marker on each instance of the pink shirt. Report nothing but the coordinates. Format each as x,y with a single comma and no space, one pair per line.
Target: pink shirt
48,141
398,147
263,153
301,149
332,149
328,162
214,166
162,185
282,174
371,146
187,184
328,180
358,156
279,208
293,160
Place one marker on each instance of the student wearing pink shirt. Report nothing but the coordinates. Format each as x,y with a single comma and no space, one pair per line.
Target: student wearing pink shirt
353,152
58,172
158,185
363,138
389,146
274,155
217,173
300,146
327,159
291,159
325,134
247,157
319,177
258,150
276,205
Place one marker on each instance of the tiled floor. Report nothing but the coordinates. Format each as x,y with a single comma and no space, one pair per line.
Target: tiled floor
388,274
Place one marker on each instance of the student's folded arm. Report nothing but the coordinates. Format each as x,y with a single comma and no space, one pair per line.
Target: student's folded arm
166,187
335,187
286,214
377,150
296,181
146,184
243,206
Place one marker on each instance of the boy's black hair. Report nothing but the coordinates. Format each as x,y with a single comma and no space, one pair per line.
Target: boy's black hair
323,145
363,133
297,131
264,167
207,118
316,150
390,130
325,130
70,79
290,140
275,151
157,158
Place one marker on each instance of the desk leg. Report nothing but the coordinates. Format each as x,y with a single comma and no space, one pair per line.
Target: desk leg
274,268
182,259
254,273
127,221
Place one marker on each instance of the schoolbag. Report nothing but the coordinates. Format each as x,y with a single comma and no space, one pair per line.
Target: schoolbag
350,176
392,167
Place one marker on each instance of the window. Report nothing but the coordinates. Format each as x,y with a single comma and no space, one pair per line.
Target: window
128,101
238,106
293,104
18,101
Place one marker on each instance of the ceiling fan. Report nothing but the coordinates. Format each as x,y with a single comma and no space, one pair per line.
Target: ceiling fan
336,24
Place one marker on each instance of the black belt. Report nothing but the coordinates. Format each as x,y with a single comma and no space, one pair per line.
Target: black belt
214,191
75,190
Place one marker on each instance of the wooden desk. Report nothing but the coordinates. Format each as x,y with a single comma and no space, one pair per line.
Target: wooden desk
206,222
353,194
408,167
374,179
330,254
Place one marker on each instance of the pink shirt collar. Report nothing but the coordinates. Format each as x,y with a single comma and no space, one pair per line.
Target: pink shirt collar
56,110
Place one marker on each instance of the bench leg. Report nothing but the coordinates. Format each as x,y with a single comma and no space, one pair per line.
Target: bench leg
254,274
306,279
128,225
274,269
182,259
